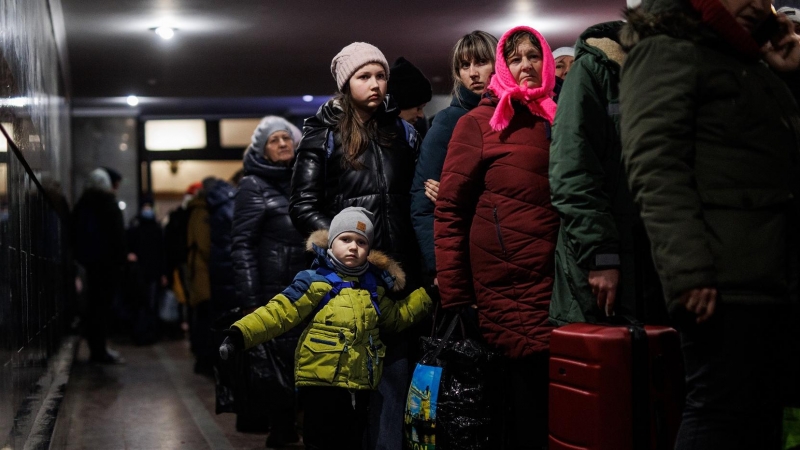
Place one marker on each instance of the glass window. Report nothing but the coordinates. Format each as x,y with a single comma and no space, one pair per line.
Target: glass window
235,133
3,141
176,176
161,135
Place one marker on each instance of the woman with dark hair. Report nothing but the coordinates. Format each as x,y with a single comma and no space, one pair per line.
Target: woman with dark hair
356,151
710,144
496,230
472,64
267,252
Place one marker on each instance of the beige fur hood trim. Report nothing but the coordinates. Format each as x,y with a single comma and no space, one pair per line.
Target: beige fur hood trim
608,46
376,257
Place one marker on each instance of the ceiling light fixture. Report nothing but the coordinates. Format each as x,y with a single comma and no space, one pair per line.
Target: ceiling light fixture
308,98
166,33
133,100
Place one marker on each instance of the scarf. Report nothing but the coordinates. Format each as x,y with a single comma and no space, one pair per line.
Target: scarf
722,22
349,271
538,100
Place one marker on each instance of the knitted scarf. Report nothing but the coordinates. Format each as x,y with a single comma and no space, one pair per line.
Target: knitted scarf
538,100
724,24
349,271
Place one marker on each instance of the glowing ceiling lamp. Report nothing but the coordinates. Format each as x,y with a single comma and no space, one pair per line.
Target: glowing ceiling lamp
165,33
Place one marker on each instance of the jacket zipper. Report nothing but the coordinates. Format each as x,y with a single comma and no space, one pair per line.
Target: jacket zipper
384,191
499,234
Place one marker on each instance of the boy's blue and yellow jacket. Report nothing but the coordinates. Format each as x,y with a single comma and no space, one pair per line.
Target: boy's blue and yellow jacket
341,345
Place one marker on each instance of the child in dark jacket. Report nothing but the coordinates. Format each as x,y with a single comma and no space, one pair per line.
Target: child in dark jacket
339,356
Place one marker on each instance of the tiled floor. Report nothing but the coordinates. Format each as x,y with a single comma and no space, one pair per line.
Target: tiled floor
154,401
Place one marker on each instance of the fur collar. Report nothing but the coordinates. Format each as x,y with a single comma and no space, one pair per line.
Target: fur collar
317,243
609,47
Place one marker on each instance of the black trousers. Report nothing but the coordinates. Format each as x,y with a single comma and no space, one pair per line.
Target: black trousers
101,285
741,369
334,418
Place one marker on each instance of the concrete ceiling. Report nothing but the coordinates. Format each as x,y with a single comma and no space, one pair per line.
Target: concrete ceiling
269,48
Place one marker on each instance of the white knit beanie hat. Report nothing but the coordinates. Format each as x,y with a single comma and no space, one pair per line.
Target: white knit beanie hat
352,58
563,51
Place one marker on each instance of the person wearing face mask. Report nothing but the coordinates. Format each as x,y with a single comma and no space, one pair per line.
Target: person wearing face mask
267,251
495,229
710,148
146,253
356,151
471,65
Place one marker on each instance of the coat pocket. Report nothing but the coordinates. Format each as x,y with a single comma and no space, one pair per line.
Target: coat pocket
499,231
747,232
320,357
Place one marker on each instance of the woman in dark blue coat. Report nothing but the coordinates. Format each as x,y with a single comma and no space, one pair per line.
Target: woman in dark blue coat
267,253
472,66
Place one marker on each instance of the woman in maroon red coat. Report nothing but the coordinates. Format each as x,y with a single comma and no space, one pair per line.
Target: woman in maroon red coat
495,229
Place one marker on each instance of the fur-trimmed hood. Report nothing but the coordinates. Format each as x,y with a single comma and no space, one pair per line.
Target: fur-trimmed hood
602,41
674,18
389,270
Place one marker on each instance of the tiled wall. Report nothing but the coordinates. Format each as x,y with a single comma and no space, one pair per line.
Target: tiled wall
33,281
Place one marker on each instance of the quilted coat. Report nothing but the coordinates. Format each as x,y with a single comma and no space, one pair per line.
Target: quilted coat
495,230
267,249
322,186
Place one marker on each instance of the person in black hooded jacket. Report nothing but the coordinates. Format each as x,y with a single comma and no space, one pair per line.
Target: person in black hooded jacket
356,151
267,253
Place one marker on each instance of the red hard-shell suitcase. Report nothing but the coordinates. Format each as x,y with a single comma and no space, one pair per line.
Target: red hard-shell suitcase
615,387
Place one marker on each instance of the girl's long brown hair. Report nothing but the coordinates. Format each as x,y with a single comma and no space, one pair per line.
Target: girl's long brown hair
355,134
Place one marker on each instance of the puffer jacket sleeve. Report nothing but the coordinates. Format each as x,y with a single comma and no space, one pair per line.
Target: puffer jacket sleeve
306,205
461,184
284,311
429,166
399,315
659,95
248,218
580,142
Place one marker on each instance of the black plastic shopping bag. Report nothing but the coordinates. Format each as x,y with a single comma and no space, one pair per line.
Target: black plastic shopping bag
448,405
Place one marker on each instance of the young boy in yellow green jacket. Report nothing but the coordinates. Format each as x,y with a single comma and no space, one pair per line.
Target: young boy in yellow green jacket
339,356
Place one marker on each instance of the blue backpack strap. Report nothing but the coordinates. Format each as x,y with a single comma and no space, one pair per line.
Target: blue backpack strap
337,284
330,144
409,133
370,283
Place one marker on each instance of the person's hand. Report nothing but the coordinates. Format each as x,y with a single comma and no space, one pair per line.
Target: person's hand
700,301
783,52
227,348
436,281
132,257
164,281
604,287
432,190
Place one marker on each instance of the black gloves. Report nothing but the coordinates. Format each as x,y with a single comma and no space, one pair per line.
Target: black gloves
233,342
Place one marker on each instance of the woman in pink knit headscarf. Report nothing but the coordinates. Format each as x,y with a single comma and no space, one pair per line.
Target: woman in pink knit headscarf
495,229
